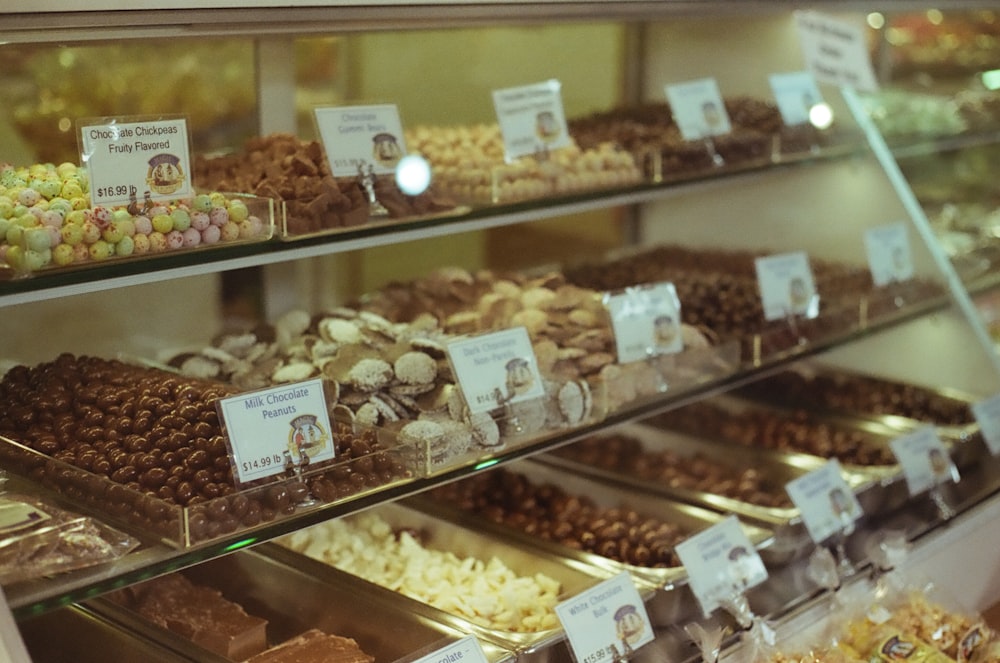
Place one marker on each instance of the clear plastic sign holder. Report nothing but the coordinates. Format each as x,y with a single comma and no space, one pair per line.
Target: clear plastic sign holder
722,567
829,509
927,467
647,325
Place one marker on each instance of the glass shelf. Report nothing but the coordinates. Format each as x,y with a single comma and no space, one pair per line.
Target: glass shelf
70,281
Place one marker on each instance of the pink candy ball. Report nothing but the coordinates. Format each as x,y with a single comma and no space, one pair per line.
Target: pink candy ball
158,209
250,227
230,232
191,237
175,239
55,237
211,235
219,216
52,218
200,221
143,226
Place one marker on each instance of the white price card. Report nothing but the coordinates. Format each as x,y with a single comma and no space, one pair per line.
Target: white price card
835,51
889,256
496,369
796,94
646,321
827,503
361,138
606,622
987,414
136,161
698,109
272,428
786,286
721,563
924,459
531,119
464,650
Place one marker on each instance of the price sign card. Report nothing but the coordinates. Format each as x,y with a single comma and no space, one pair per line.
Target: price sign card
835,51
786,286
496,369
827,503
924,459
361,137
698,109
987,414
720,562
607,622
465,650
889,257
270,428
796,93
129,161
531,119
646,321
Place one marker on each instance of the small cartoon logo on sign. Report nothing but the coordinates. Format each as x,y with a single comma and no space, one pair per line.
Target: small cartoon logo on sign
307,437
165,175
629,625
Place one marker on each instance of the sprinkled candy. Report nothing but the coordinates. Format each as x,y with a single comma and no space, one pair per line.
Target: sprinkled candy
175,240
191,237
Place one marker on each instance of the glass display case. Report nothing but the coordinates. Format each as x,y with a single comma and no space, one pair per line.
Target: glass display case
787,247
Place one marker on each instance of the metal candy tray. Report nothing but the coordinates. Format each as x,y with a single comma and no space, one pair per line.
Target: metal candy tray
466,543
295,597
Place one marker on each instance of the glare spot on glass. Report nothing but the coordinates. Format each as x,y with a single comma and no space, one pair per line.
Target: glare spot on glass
413,175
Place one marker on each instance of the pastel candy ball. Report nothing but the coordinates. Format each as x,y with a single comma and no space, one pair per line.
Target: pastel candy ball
201,203
28,197
72,233
238,211
211,235
140,244
35,260
101,250
55,237
230,232
250,227
127,226
49,188
37,211
113,233
120,215
200,221
192,238
66,169
52,218
163,223
14,256
63,254
175,239
6,208
37,239
79,202
81,253
182,220
71,189
218,200
102,216
14,234
125,246
76,218
60,205
158,209
143,226
157,242
219,216
91,232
